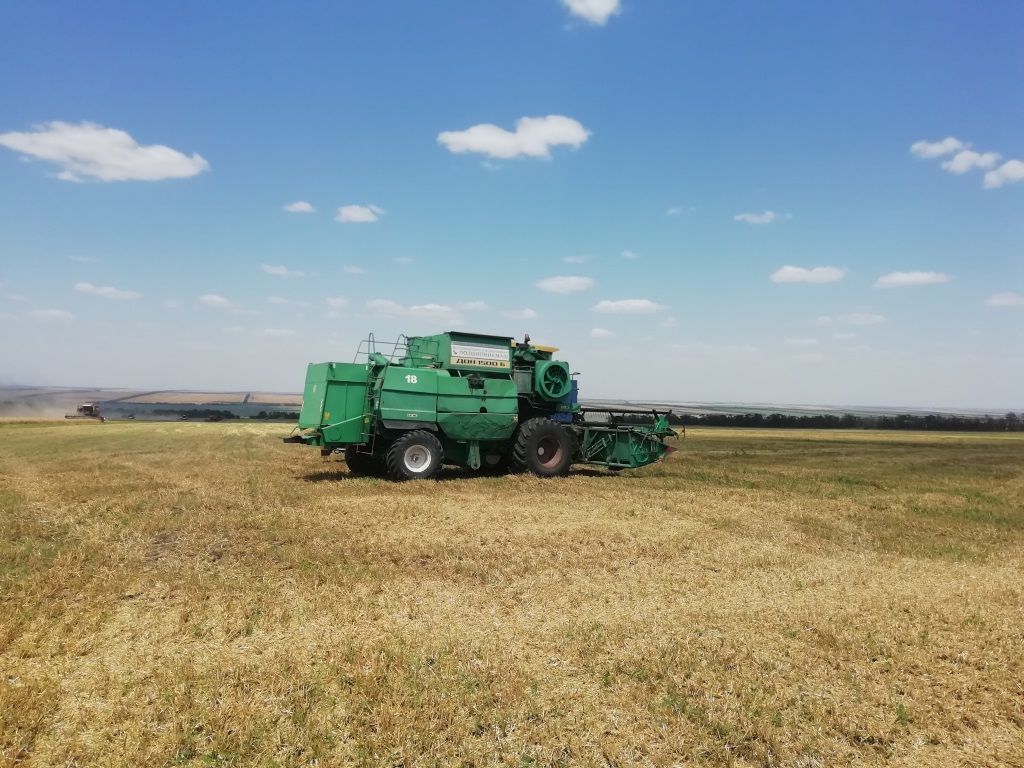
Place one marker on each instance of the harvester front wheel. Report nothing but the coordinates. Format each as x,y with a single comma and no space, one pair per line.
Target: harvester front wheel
415,455
543,447
362,463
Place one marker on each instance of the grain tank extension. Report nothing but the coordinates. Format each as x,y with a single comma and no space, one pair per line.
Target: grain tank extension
467,399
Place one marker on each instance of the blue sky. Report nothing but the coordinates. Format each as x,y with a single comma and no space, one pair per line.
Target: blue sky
655,125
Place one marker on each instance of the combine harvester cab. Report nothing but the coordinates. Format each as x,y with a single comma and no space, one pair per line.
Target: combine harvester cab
470,400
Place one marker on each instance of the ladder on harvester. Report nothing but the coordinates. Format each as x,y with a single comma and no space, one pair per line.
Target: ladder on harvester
368,433
368,347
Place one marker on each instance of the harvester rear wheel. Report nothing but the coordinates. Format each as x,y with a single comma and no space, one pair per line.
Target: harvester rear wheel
362,463
543,447
416,455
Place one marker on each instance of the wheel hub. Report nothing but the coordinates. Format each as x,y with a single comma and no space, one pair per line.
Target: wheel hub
549,451
416,458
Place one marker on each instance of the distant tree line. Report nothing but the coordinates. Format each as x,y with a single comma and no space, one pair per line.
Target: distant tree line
214,414
276,415
196,413
1011,422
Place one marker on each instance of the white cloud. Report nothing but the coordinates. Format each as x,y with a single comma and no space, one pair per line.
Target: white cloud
676,210
575,259
965,159
631,255
703,347
88,150
765,217
403,260
810,357
1009,172
353,270
593,11
279,270
628,307
270,333
472,306
533,137
439,312
106,291
862,318
520,314
198,346
668,322
385,307
601,333
48,315
83,259
854,318
803,342
844,336
215,301
903,279
968,159
436,312
337,302
565,284
929,149
1005,299
299,206
359,214
277,300
790,274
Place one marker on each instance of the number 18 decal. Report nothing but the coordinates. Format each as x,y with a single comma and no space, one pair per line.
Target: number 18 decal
410,378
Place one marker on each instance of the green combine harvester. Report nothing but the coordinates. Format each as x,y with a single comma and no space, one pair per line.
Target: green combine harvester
466,399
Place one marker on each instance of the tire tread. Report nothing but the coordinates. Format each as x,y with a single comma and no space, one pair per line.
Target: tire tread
520,447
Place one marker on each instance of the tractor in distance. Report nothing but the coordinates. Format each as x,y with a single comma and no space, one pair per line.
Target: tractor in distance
466,399
86,411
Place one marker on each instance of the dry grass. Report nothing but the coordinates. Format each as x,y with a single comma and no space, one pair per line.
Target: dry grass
200,594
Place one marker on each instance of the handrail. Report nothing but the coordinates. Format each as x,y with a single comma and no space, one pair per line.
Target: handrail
399,348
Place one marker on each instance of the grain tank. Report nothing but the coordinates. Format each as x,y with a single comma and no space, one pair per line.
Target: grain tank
465,399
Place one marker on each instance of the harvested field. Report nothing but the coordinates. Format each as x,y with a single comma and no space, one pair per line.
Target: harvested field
200,594
272,398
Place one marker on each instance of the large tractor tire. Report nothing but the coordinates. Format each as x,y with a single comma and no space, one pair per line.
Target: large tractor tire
543,447
416,455
362,463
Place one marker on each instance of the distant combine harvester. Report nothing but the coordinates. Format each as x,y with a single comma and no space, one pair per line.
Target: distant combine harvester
86,411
